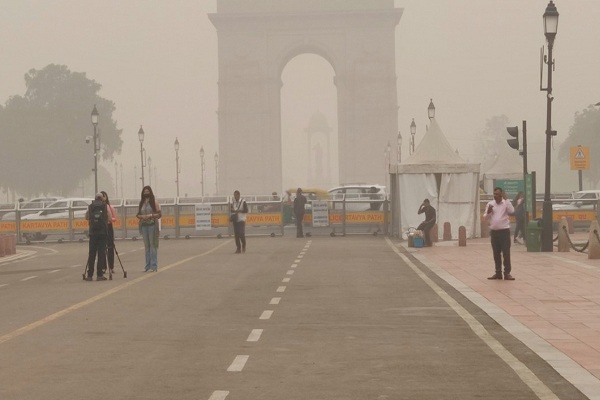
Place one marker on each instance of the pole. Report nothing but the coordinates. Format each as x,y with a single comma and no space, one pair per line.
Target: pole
547,206
95,161
142,160
525,199
177,171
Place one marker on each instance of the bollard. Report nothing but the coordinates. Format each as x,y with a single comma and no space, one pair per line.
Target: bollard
14,243
485,230
6,245
2,254
570,225
447,231
563,236
433,234
462,236
594,243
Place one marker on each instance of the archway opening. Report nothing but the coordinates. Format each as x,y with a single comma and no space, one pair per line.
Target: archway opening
309,124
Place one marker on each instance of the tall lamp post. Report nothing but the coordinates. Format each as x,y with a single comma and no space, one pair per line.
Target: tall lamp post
95,123
150,171
387,153
177,165
413,131
202,168
431,110
399,149
116,180
550,29
216,173
141,137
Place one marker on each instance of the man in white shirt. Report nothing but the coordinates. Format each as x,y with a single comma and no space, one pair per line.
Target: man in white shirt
496,215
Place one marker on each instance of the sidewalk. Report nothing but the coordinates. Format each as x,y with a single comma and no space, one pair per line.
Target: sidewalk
553,306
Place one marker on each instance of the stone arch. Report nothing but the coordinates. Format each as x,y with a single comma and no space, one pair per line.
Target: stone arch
257,39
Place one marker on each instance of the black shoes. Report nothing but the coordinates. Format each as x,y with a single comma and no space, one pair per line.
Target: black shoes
101,278
89,278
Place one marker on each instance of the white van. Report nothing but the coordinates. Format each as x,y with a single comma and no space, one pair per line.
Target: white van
582,200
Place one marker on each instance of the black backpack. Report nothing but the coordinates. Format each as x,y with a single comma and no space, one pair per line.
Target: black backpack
97,213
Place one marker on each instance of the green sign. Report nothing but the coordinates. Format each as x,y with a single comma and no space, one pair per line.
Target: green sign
528,192
510,186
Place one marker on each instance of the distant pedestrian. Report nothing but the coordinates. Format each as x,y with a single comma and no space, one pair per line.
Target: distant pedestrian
430,218
519,206
148,215
299,203
97,216
496,215
110,244
239,209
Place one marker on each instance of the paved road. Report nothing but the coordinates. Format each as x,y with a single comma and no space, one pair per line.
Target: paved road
316,318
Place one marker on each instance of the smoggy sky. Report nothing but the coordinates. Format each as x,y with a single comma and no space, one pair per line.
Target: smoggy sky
157,60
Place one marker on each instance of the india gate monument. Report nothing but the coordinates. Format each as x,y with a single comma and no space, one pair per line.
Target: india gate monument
256,40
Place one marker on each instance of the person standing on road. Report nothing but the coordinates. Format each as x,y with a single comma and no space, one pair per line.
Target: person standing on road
239,209
110,244
148,216
426,225
299,203
496,215
97,216
519,206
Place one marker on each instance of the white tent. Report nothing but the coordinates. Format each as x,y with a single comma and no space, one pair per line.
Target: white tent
508,165
434,171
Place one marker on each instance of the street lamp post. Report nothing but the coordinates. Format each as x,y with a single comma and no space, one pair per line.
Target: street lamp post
149,171
550,29
95,123
387,153
399,149
177,165
202,168
116,180
413,131
141,137
216,173
121,169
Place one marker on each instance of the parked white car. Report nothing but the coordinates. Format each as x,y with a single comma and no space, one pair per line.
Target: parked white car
35,203
584,200
60,209
358,196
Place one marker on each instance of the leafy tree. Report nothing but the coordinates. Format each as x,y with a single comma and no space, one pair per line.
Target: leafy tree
584,132
490,140
43,147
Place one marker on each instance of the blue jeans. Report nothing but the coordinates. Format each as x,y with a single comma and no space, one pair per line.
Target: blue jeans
151,251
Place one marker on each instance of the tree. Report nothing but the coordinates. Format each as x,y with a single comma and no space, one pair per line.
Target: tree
44,132
491,139
584,132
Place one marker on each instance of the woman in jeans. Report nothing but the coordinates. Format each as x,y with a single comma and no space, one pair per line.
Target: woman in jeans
148,216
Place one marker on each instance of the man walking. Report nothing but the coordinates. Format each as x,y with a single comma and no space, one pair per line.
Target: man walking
496,215
299,203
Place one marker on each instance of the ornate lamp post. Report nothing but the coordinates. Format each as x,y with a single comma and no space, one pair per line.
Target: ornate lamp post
216,173
141,137
550,29
399,149
387,153
413,131
431,110
202,168
149,171
95,123
177,165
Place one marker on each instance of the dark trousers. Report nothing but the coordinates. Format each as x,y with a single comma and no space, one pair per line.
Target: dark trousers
110,247
426,227
501,247
97,248
299,221
239,230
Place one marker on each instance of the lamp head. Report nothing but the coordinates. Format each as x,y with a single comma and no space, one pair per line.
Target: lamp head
141,134
431,110
95,116
413,127
550,21
201,151
176,144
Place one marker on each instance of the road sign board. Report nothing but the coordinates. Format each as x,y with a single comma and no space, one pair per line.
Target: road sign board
580,157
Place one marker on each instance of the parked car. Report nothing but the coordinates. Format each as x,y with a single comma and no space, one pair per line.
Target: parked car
358,196
34,203
59,209
584,200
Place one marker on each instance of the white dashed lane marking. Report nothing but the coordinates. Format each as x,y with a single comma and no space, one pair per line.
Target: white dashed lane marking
297,261
53,271
238,363
290,272
275,300
218,395
254,335
28,278
281,289
294,265
266,314
285,280
4,284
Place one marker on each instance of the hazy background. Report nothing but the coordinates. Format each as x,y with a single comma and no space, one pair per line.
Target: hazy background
157,60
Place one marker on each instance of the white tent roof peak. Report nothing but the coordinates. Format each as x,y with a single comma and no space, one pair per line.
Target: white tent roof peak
434,149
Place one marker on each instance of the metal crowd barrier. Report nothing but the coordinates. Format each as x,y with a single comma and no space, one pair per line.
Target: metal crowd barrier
209,217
